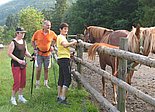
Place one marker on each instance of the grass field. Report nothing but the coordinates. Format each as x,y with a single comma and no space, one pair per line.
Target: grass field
43,99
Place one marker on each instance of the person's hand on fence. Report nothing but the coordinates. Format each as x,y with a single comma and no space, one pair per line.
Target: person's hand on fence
74,42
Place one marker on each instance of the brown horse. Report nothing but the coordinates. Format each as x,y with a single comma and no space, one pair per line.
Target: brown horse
140,40
92,34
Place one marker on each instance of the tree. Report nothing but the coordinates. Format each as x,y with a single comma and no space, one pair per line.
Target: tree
31,19
114,14
12,21
148,12
58,13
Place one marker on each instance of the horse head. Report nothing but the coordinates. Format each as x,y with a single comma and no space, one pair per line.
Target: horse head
87,34
134,40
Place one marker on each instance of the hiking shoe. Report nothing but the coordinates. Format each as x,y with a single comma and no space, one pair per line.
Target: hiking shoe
37,86
64,102
22,99
59,99
13,101
46,85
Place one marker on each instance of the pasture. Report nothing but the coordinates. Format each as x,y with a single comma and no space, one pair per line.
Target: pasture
43,99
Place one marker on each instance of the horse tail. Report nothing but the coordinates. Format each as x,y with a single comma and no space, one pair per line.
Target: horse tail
92,51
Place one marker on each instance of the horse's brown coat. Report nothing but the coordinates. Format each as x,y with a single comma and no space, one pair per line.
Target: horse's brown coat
137,38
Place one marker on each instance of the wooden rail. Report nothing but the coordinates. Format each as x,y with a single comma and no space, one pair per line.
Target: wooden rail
124,54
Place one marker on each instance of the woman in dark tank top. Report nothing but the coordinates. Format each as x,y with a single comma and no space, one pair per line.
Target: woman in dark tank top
17,51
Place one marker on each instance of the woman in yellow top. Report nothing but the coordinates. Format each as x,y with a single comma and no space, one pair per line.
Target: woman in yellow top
64,80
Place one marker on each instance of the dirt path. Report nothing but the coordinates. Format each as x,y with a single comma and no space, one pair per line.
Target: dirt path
143,79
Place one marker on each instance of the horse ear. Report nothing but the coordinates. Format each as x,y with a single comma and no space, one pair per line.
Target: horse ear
138,26
138,31
85,26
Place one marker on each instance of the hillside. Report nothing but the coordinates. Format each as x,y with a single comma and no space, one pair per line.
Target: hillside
15,6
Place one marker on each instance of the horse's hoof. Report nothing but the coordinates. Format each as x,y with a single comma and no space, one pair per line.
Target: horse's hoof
114,102
104,95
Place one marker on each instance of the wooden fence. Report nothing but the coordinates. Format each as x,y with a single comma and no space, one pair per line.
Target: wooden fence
104,103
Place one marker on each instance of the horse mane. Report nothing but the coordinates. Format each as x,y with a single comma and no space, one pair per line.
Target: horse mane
149,40
99,33
146,35
133,40
92,49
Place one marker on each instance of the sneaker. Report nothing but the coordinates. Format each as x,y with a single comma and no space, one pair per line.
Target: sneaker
59,99
22,99
13,101
46,85
37,86
64,102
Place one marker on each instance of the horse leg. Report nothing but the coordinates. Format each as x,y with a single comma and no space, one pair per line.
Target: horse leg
103,81
104,89
129,77
115,72
103,66
114,94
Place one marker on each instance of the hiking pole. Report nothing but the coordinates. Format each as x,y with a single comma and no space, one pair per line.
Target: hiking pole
32,73
53,65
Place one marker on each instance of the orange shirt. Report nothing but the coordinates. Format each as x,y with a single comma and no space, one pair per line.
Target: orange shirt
43,42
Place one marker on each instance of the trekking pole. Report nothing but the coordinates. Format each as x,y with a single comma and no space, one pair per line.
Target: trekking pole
53,65
32,73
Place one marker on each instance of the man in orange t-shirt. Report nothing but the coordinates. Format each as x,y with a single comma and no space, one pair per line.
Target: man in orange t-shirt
42,41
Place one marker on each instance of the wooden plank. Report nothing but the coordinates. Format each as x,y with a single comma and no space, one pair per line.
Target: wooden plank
124,54
80,55
104,103
122,71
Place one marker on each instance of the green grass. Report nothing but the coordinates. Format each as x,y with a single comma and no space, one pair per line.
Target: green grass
43,99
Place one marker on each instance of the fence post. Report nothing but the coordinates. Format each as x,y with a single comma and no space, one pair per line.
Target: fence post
79,55
122,71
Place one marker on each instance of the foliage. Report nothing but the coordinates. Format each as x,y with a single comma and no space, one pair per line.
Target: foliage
58,13
31,19
48,13
115,14
148,9
125,14
7,35
15,6
12,21
1,33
